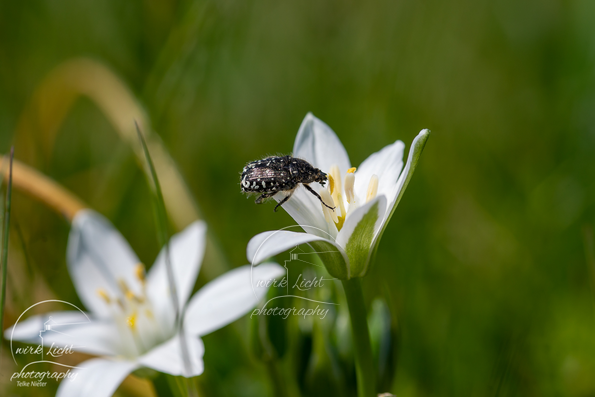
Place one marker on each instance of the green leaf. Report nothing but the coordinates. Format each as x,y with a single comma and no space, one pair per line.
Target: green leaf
360,241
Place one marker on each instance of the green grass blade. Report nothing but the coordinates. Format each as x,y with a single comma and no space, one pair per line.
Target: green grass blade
5,243
164,236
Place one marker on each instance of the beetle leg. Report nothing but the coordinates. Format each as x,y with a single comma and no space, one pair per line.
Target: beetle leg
263,196
317,195
284,200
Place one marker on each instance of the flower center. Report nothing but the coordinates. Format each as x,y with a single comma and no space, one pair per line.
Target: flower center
333,196
133,316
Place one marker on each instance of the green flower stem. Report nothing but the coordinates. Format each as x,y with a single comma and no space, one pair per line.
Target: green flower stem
364,360
276,377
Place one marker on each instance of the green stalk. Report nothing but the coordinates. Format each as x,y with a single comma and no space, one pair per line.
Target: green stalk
164,237
5,242
364,360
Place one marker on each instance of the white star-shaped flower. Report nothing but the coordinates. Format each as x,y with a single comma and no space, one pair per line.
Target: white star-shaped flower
133,322
365,199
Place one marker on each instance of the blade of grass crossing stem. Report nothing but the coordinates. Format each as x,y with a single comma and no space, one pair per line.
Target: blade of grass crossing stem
163,235
5,242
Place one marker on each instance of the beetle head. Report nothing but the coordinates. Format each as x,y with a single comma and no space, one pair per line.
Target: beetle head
320,177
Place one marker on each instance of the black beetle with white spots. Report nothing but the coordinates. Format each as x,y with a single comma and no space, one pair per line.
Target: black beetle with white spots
276,174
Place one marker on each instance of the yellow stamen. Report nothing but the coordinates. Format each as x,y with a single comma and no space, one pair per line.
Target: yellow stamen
101,292
329,214
129,295
372,188
351,170
335,173
139,271
331,181
131,321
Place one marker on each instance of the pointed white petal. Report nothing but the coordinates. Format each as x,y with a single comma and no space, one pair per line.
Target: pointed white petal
387,165
25,330
228,297
318,144
417,147
357,234
168,357
63,329
186,253
96,378
99,258
268,244
305,209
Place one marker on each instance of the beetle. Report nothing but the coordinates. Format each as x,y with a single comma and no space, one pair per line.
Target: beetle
275,174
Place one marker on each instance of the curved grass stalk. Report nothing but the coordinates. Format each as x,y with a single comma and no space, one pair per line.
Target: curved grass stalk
41,121
72,79
39,186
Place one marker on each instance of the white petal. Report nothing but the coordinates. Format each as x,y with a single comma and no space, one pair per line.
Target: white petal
28,329
228,297
305,209
268,244
386,164
72,329
98,258
96,378
357,237
168,357
186,252
318,144
417,147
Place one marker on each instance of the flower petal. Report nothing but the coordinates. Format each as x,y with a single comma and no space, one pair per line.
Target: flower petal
96,378
168,357
68,328
186,252
268,244
306,210
228,297
99,258
417,147
386,164
28,329
358,232
318,144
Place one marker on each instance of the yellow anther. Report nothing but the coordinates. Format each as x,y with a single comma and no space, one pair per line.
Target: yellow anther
131,321
336,191
139,271
372,188
331,181
101,292
351,170
335,173
129,295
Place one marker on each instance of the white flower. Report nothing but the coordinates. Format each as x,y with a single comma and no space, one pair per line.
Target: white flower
133,319
364,197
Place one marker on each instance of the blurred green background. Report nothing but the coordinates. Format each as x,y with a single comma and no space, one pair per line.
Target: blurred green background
489,257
